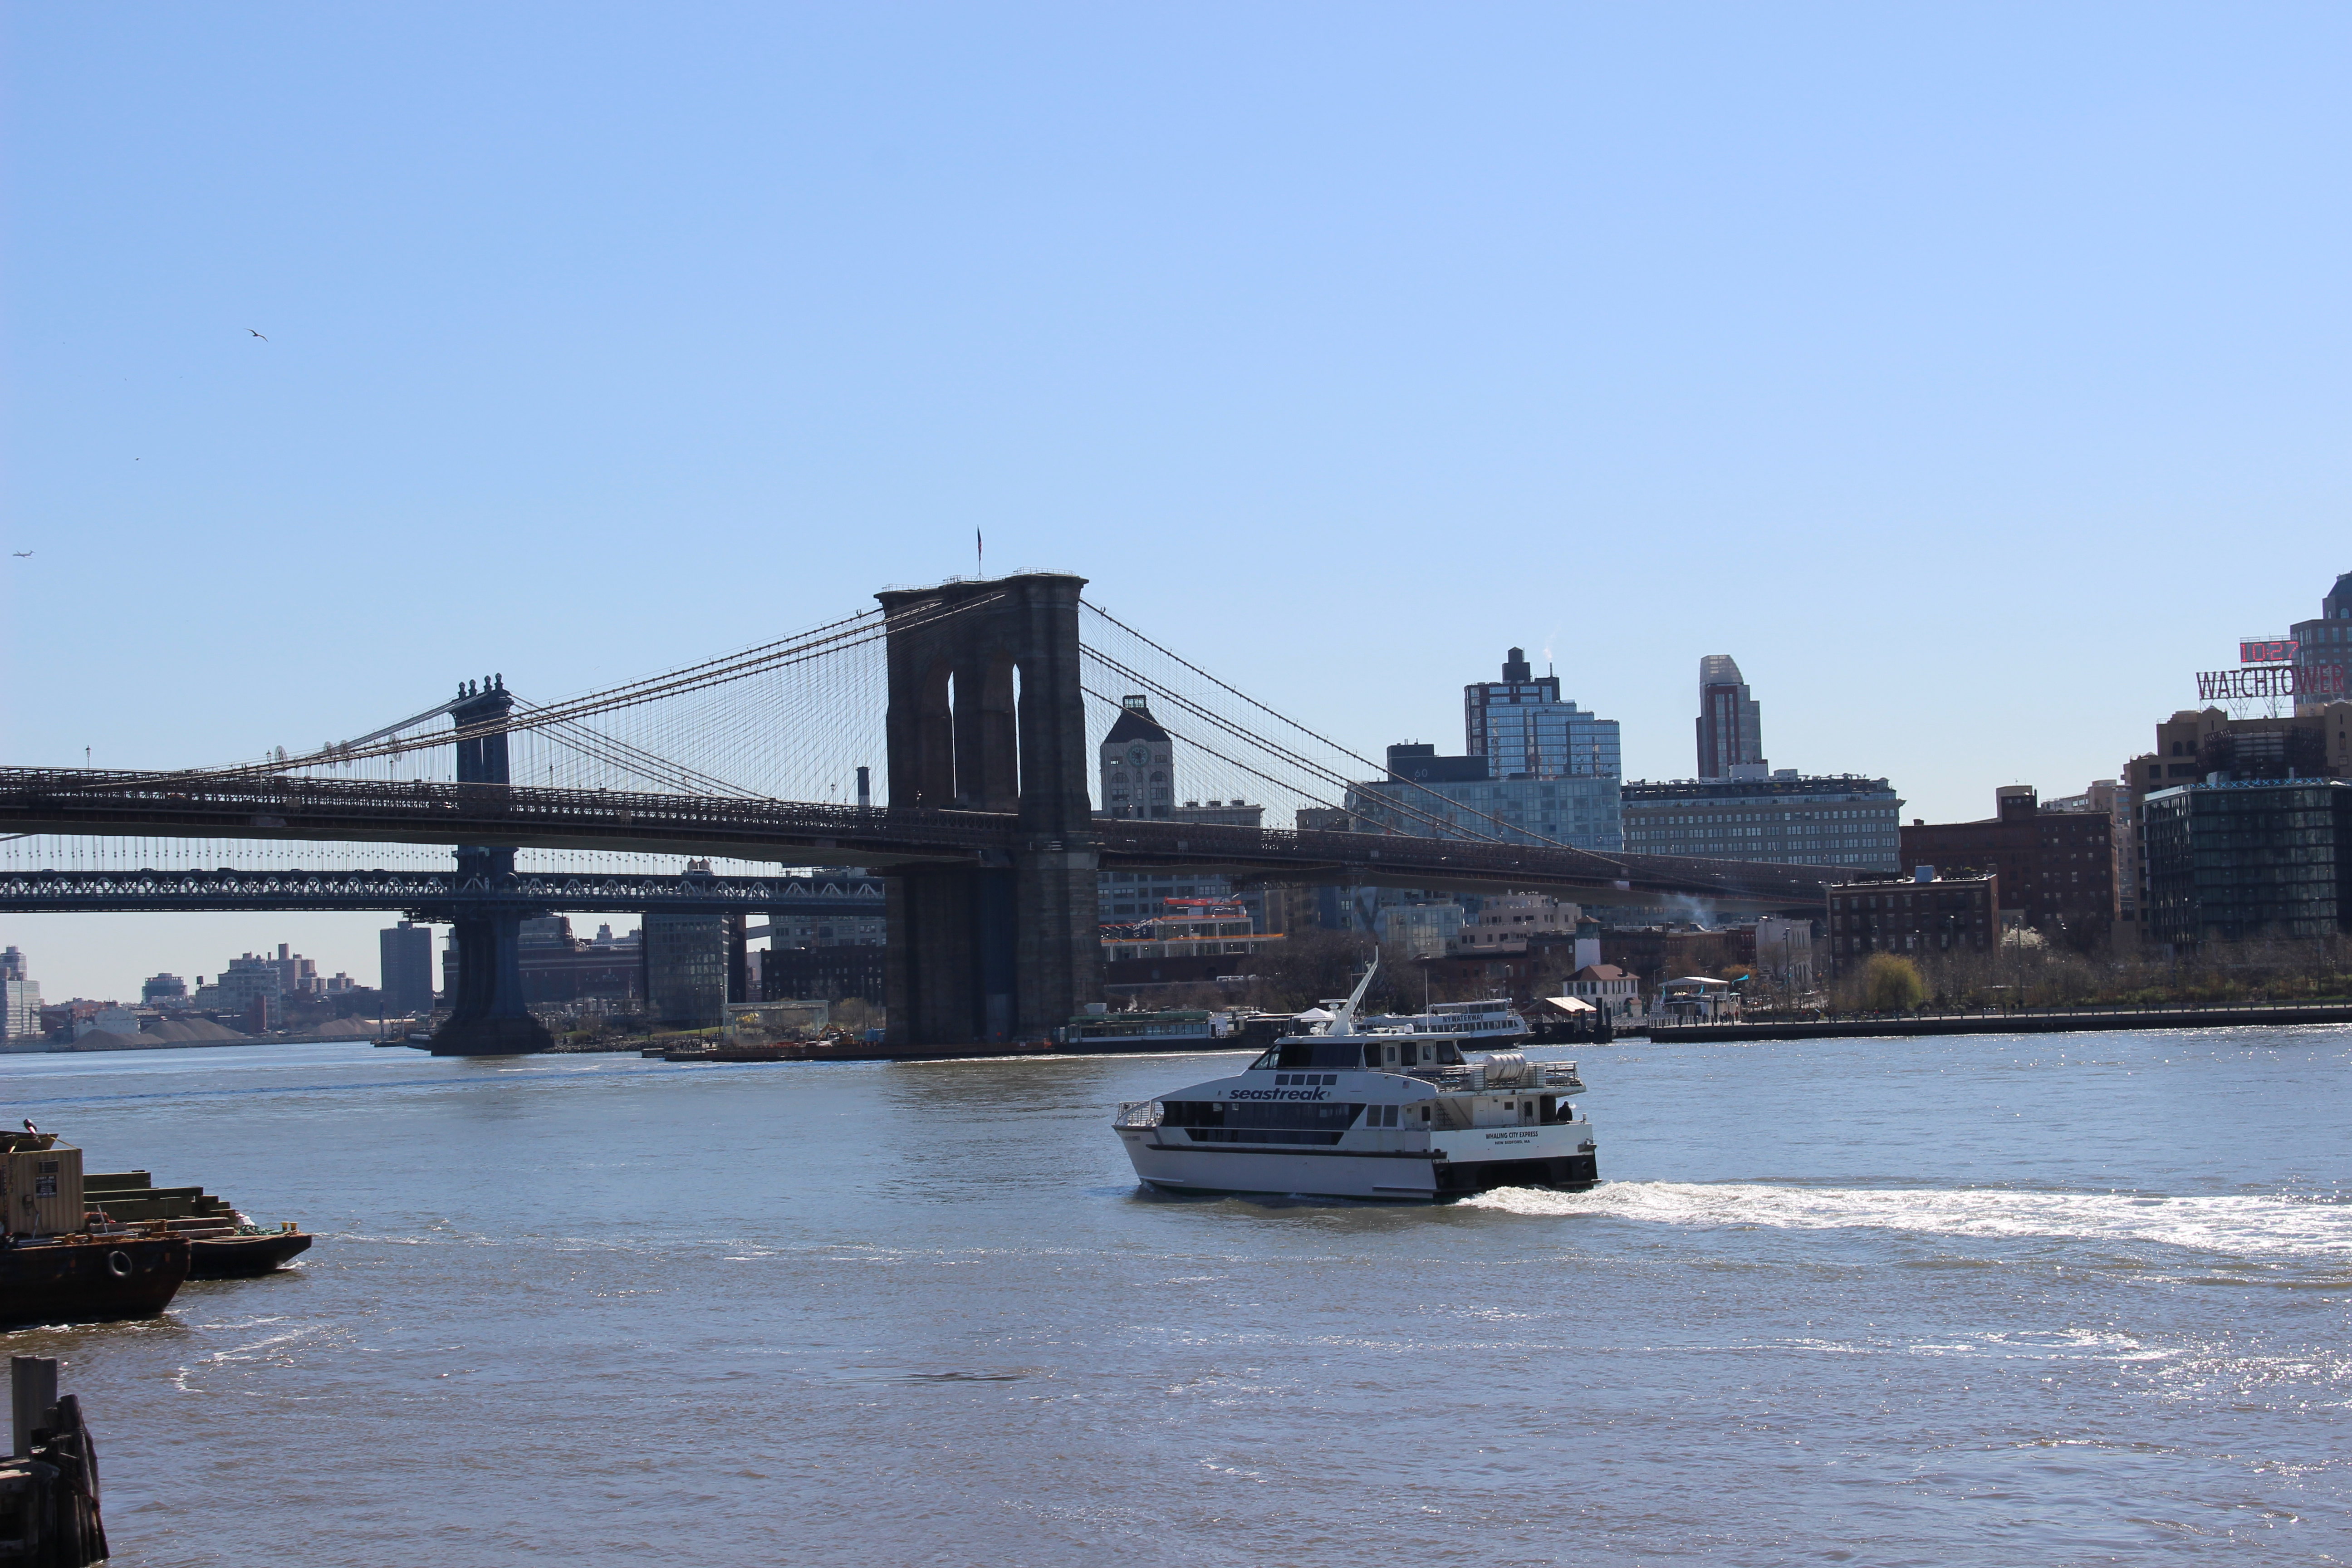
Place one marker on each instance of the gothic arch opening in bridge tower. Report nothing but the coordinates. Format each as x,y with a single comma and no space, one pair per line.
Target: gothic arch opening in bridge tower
1019,764
992,780
935,748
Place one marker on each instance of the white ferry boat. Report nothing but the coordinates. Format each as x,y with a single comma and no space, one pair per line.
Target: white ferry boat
1169,1030
1491,1020
1386,1112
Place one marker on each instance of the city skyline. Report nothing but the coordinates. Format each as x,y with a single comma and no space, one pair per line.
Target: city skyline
2320,635
1721,327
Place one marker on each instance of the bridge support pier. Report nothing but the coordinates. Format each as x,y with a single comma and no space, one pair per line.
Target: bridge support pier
987,715
487,1015
993,953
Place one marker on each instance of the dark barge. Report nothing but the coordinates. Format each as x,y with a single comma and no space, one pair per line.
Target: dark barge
221,1244
88,1279
54,1268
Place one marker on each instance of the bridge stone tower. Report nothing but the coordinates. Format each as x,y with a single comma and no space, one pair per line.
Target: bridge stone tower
487,1015
987,715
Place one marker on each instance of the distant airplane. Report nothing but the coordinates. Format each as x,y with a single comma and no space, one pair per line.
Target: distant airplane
257,334
22,553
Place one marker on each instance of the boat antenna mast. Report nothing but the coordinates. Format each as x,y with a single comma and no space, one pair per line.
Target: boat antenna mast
1345,1023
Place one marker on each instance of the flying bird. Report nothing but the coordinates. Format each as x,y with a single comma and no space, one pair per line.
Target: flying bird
264,338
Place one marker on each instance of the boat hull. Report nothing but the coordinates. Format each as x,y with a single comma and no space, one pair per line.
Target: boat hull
240,1256
1371,1175
90,1282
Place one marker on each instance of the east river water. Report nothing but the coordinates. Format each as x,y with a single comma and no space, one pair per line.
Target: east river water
2049,1300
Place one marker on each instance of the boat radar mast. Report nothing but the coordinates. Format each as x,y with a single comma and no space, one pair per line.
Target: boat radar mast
1343,1022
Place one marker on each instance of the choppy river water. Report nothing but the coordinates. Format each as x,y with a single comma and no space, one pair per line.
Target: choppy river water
2051,1300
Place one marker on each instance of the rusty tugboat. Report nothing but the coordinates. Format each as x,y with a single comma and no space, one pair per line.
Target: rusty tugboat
80,1249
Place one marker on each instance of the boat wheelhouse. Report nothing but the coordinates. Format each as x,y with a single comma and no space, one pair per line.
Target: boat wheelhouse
1386,1111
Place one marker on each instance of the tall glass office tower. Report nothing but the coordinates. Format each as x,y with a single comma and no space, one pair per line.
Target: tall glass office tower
1730,723
1523,730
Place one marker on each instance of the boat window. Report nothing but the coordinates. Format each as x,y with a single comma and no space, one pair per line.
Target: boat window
1321,1054
1318,1115
1219,1121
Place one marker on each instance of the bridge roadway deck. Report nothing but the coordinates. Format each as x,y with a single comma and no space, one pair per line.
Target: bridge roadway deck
143,804
432,895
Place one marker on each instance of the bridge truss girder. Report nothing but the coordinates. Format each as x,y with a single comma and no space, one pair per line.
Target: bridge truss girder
296,808
432,895
99,803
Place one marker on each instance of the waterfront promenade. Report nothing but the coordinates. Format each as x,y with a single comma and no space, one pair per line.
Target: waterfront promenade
2046,1021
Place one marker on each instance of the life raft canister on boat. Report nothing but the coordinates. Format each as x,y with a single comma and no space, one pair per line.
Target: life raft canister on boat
1507,1070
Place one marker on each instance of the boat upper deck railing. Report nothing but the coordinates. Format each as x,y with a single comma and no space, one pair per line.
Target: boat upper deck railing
1138,1113
1473,1079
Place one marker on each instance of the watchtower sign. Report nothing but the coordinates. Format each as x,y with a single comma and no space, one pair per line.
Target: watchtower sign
2302,683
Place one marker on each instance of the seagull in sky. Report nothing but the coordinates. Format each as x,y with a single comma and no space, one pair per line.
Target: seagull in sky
264,338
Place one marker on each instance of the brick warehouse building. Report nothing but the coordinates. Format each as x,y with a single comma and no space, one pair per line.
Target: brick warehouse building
2057,868
1912,917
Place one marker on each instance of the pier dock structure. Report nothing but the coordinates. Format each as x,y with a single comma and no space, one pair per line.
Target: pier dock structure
48,1484
2052,1021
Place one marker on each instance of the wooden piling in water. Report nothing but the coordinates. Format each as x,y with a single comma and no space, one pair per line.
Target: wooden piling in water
48,1484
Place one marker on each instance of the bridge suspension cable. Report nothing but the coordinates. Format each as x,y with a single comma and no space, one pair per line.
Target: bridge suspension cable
868,628
1316,771
637,760
1445,815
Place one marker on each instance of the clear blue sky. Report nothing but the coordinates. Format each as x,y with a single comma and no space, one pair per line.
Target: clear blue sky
1972,374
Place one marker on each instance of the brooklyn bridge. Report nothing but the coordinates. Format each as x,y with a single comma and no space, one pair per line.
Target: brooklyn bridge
983,698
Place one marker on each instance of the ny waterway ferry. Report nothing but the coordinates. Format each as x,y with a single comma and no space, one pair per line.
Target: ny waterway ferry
1379,1109
1483,1025
1168,1029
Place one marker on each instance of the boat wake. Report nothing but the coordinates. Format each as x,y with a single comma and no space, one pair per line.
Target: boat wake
2249,1226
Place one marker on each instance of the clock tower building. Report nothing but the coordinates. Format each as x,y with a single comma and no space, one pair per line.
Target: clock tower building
1137,764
